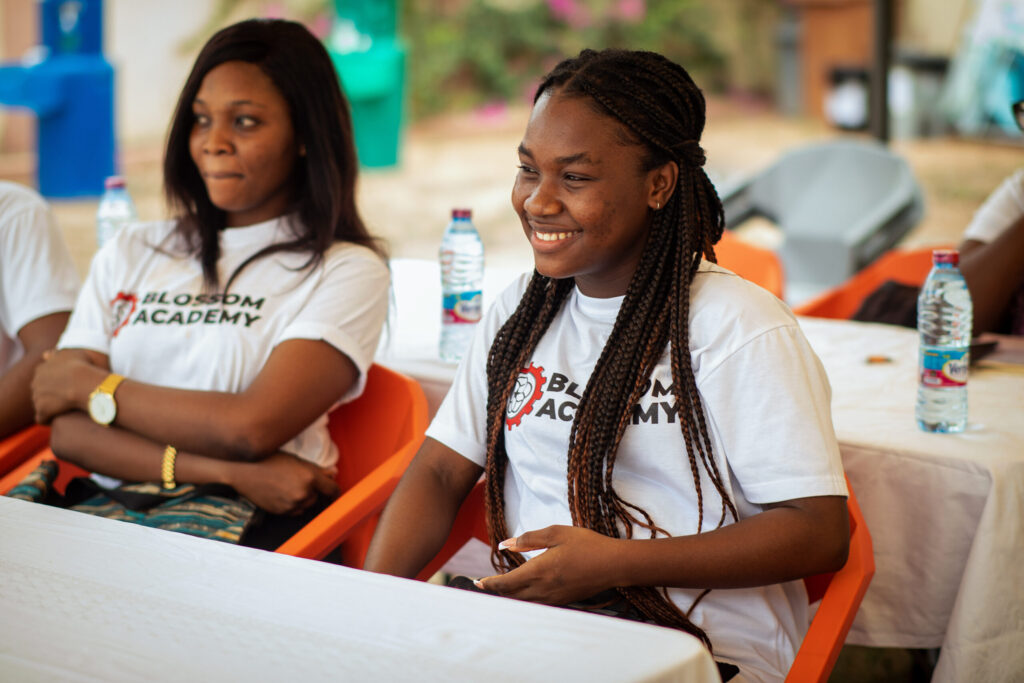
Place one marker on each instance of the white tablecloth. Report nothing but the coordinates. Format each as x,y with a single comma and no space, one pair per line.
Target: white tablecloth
946,512
84,598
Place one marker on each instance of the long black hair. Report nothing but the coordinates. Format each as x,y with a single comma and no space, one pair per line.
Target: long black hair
662,111
324,178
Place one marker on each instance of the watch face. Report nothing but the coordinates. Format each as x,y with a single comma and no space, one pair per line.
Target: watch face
102,408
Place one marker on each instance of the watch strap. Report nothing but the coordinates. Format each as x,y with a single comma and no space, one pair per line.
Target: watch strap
110,384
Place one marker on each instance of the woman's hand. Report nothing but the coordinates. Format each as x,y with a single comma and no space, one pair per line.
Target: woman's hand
577,564
63,381
282,483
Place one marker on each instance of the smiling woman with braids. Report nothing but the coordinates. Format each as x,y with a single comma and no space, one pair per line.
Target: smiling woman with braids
657,437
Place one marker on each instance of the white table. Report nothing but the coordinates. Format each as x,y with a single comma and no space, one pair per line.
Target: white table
84,598
946,512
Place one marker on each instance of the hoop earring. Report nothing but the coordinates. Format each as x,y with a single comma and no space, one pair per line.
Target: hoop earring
657,206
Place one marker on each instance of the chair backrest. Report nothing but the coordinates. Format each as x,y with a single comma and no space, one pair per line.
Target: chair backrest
760,266
840,592
908,266
839,204
17,448
377,436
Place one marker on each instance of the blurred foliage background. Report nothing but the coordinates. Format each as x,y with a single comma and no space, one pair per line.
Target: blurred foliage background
467,53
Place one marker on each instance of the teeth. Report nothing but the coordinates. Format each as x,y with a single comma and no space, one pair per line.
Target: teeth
553,236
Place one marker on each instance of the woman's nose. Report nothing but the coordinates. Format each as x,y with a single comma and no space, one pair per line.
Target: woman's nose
542,201
217,141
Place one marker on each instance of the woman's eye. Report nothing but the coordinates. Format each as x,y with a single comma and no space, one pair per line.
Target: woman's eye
523,168
201,119
574,178
246,122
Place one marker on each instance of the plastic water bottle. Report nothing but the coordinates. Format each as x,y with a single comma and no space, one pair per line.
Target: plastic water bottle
944,313
462,276
116,210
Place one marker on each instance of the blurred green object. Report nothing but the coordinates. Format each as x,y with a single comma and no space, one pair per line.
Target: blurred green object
370,60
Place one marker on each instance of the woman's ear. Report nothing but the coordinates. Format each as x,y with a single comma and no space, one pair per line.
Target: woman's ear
662,183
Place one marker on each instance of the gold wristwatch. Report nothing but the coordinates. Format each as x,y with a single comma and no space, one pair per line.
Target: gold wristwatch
102,406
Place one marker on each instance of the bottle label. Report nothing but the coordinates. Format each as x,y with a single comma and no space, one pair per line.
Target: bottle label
943,367
462,307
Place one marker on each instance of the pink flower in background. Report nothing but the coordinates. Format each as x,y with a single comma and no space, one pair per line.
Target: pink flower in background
571,12
320,26
274,10
632,11
492,112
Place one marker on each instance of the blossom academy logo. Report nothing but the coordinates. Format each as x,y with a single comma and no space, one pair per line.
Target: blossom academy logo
123,306
528,388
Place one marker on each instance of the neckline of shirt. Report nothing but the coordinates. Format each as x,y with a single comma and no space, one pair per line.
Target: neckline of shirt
264,233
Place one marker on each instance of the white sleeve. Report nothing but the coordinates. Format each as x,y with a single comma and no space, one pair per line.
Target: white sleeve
1001,210
92,325
770,404
461,420
347,309
37,275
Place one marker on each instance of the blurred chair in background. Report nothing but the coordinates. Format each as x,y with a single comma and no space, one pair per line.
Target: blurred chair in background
839,205
904,266
760,266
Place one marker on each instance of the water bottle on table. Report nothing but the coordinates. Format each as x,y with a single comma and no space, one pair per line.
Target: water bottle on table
944,313
115,211
462,276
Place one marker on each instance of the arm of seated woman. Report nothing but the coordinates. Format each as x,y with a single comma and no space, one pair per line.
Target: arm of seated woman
301,380
280,483
36,337
788,541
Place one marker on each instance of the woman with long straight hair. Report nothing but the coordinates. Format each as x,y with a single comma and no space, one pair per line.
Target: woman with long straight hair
208,349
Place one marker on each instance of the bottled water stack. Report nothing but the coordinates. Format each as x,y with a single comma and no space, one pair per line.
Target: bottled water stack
115,211
462,274
944,314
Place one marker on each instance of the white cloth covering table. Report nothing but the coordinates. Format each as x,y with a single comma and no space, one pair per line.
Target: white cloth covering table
84,598
945,511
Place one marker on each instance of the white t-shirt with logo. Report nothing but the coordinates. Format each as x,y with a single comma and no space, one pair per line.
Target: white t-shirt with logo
143,305
767,402
37,276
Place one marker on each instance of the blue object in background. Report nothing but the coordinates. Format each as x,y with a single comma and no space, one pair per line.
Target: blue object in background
71,91
370,61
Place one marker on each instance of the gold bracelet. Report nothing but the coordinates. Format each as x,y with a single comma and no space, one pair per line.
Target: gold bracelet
167,468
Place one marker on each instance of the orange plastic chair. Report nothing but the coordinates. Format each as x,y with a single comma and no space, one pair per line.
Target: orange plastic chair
908,266
760,266
377,435
16,448
840,592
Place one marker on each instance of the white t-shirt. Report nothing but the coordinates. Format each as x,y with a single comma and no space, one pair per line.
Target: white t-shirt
1001,210
767,402
143,306
37,276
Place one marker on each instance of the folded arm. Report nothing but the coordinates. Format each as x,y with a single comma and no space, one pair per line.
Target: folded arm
301,380
281,483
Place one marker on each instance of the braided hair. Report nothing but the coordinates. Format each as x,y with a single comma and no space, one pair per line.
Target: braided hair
661,110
